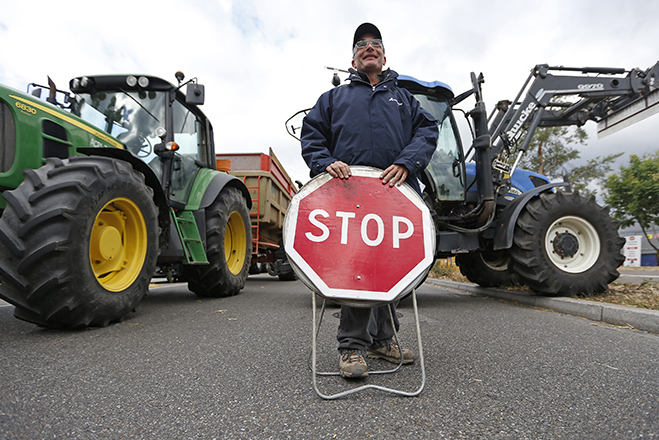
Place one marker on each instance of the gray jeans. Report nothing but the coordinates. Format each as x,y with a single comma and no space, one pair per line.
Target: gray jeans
362,328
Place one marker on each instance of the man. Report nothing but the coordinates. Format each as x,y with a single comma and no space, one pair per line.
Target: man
369,121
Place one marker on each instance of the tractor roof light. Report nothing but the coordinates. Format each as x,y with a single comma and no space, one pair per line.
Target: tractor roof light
133,81
81,84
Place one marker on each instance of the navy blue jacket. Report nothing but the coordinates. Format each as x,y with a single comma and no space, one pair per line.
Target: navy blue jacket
377,126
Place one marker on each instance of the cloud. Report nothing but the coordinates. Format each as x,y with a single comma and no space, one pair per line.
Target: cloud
261,61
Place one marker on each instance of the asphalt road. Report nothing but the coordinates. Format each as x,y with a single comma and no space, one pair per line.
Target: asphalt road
185,368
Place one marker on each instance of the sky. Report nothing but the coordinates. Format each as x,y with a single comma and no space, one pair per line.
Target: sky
263,60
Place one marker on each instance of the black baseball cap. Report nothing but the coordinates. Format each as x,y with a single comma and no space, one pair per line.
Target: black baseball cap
363,29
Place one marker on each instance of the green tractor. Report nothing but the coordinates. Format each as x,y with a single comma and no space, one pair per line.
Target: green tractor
100,190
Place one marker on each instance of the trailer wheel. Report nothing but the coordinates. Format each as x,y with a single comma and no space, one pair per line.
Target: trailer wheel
565,244
78,242
228,248
487,269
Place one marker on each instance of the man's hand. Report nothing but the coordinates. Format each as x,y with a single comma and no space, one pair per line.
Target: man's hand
394,175
339,169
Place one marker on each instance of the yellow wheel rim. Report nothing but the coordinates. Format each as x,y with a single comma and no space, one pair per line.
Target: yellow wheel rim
235,244
118,244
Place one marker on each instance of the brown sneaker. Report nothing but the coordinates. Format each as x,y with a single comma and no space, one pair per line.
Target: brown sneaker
391,353
352,365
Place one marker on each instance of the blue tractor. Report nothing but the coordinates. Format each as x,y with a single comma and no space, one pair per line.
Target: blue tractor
505,225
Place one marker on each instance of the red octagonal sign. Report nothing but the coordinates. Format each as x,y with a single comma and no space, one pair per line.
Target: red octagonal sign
358,239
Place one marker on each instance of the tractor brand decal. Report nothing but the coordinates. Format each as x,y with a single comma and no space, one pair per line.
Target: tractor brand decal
95,143
34,106
26,108
520,122
598,86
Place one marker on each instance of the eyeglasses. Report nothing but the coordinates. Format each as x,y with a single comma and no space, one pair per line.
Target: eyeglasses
361,44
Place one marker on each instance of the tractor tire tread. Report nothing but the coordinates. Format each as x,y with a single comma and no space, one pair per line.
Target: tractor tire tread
530,259
215,279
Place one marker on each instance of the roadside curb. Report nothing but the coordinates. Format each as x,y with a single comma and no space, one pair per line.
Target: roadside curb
640,319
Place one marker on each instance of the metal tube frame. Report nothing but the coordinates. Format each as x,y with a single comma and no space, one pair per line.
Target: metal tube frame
315,373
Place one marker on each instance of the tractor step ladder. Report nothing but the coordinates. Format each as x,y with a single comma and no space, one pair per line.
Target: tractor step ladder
189,235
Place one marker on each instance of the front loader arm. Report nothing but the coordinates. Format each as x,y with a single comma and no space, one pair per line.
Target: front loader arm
561,100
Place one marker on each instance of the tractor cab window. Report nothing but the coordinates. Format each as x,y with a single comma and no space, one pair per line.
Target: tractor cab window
190,135
131,117
446,166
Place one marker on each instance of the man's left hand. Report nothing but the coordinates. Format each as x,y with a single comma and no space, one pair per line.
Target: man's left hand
394,175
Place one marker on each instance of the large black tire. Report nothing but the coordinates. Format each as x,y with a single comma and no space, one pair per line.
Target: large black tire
287,276
228,248
487,269
282,260
565,244
254,269
78,242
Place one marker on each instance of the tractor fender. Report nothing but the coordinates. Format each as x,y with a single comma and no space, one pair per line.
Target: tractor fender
150,179
218,183
506,221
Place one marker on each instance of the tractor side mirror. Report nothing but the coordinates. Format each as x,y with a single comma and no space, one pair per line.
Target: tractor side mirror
194,94
294,123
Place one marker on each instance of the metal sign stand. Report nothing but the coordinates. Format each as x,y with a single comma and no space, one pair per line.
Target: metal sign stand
315,373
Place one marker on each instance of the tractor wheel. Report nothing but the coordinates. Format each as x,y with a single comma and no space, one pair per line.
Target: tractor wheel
487,269
565,244
78,242
282,259
228,248
287,276
254,269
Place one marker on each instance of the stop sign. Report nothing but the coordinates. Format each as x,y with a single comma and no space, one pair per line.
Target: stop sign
358,239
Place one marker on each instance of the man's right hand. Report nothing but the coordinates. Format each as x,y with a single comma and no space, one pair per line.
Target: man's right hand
339,170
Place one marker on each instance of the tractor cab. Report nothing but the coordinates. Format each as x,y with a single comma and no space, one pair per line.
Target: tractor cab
154,120
446,170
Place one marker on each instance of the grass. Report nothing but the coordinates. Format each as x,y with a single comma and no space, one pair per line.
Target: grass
447,270
644,295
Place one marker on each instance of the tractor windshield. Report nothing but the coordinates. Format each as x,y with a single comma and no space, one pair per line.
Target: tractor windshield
446,165
131,117
134,117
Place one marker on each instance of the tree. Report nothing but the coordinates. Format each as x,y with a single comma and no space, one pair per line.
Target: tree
633,194
549,153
